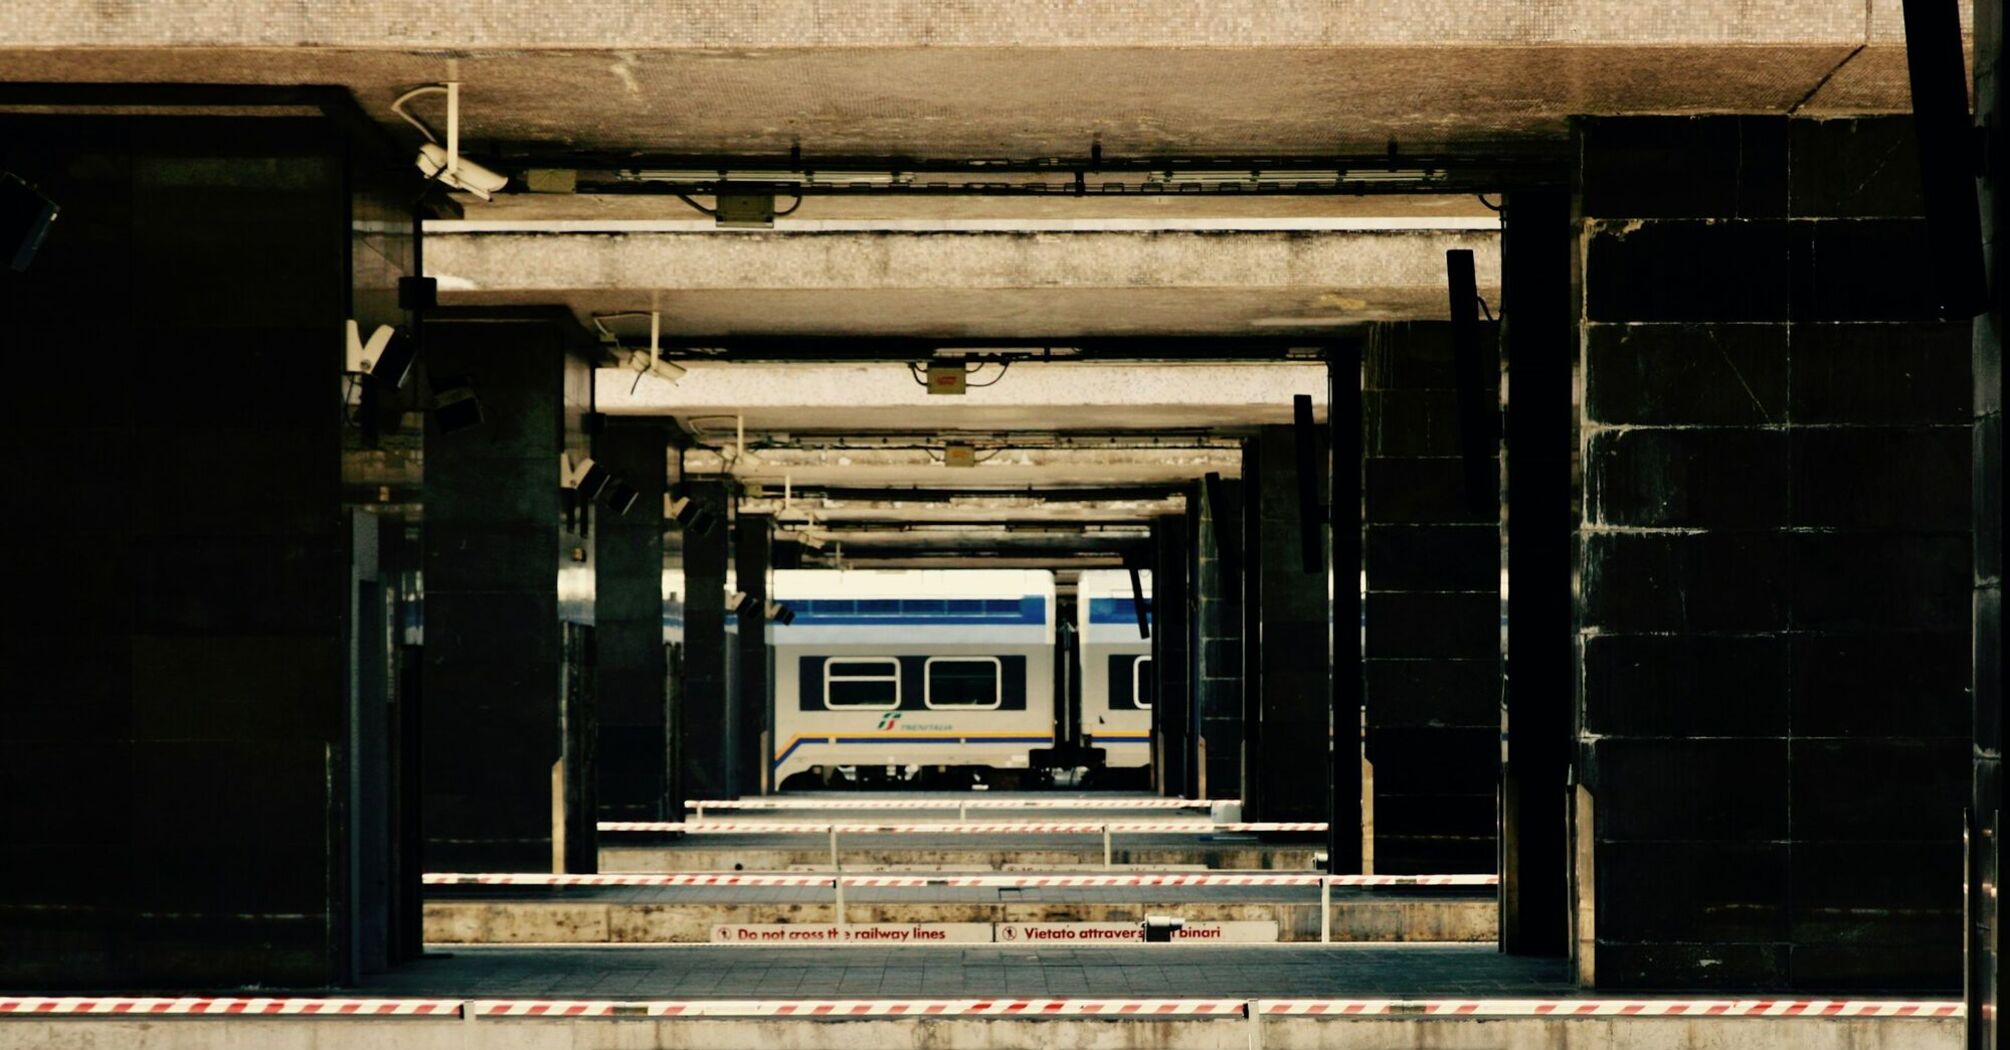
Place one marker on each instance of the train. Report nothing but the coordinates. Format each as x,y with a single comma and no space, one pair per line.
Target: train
959,678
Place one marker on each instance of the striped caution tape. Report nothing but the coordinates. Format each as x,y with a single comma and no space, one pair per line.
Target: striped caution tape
23,1007
455,878
776,805
744,879
66,1006
846,1008
1608,1008
995,827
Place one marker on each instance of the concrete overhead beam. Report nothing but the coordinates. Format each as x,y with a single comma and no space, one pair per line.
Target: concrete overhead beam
984,284
750,24
1329,259
1031,396
1017,78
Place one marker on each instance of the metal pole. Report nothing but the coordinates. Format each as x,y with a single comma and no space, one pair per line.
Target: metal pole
1325,909
1108,855
837,887
835,866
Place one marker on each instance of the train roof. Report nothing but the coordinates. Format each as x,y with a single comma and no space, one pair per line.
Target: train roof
801,584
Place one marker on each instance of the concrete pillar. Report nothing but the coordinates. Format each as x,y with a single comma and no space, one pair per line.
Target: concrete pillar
1774,565
634,747
1218,632
1985,940
172,679
493,645
1343,840
1538,669
1287,701
1172,699
706,725
753,538
1432,662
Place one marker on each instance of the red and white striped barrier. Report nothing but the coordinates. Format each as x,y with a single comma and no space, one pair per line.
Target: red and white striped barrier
744,879
844,1008
456,878
1608,1008
777,805
113,1005
995,827
1337,1009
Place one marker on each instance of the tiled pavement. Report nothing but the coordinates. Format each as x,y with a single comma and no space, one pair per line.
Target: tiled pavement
709,971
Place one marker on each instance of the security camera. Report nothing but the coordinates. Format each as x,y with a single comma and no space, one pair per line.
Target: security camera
464,175
25,217
689,514
737,601
779,612
445,163
646,362
386,357
586,475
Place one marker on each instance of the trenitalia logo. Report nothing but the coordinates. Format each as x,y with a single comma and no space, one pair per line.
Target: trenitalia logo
890,720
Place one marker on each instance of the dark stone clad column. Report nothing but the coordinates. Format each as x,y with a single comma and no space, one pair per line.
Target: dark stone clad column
707,715
1251,558
1432,664
1172,700
493,648
753,537
1218,626
1985,989
173,742
1538,353
1290,705
1343,840
634,752
1775,562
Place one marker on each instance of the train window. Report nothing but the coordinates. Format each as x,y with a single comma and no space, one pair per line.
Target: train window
869,681
1142,683
962,681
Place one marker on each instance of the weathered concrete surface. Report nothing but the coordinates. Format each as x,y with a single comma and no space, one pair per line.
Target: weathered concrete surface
967,283
1031,395
988,1034
1020,78
601,922
814,855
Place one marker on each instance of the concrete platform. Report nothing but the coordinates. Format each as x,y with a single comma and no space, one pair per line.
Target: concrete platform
682,915
1253,1027
1180,998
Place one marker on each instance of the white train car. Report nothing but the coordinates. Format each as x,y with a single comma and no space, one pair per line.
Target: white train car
897,675
1116,668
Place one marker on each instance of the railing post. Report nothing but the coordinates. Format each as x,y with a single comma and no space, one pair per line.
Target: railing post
837,889
1325,909
835,866
1109,858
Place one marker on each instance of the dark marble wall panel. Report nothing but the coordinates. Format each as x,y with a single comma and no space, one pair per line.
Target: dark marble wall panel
1774,561
1432,658
173,746
494,646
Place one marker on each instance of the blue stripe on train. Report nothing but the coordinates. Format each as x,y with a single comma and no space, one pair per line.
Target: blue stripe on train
1117,610
1029,609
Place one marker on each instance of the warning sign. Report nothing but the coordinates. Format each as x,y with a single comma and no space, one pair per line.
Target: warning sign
858,933
1235,932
